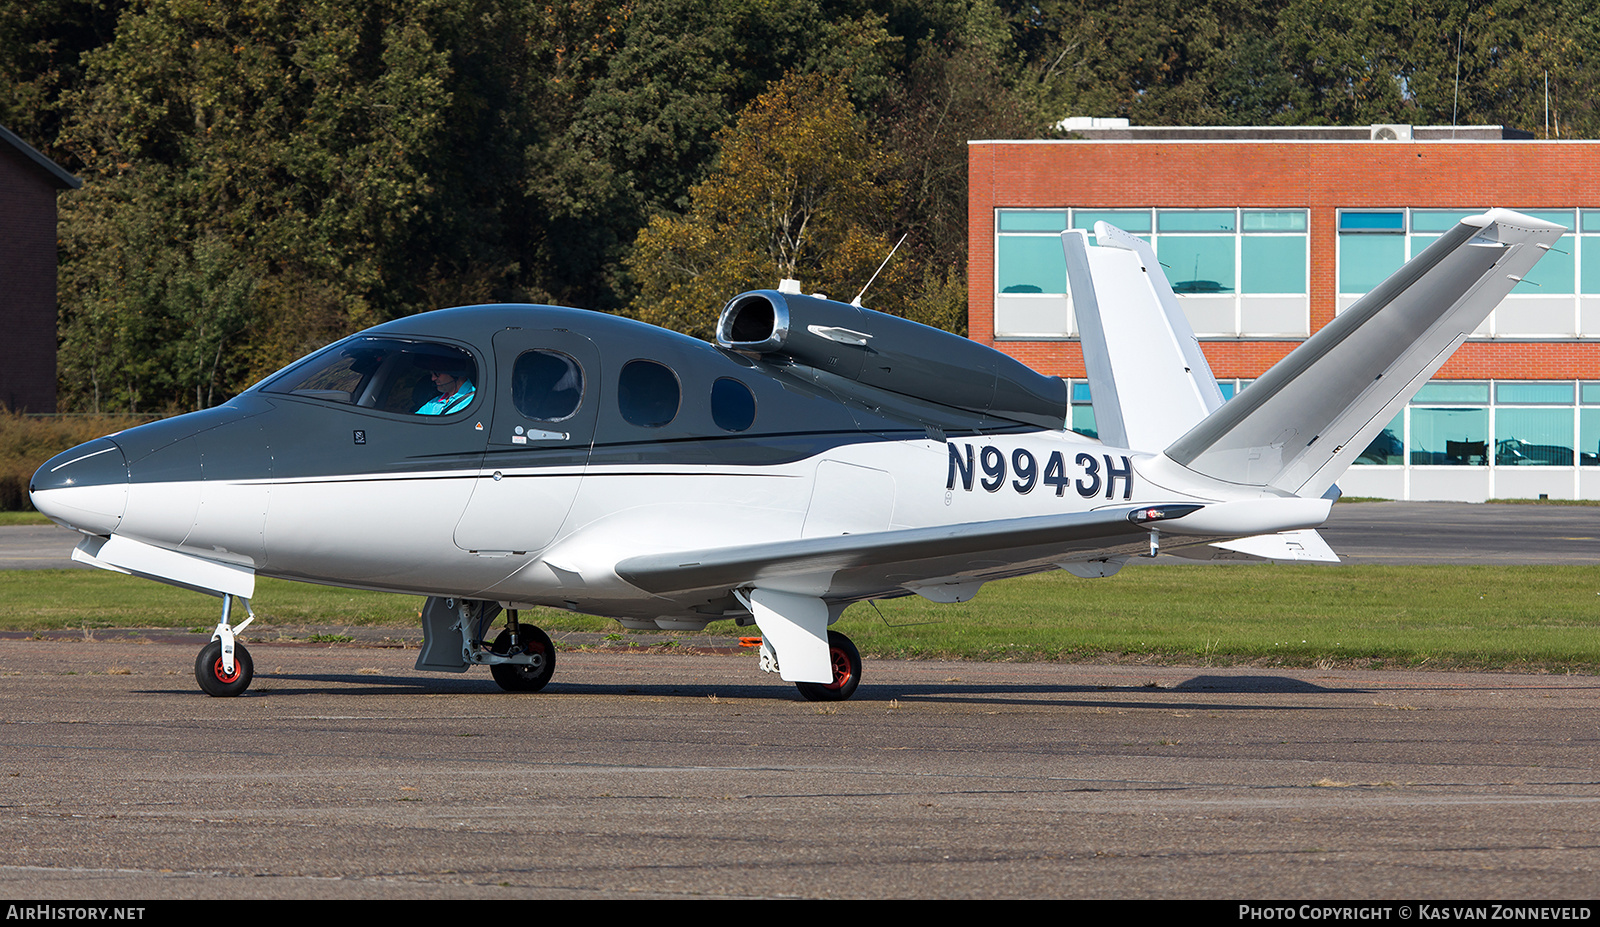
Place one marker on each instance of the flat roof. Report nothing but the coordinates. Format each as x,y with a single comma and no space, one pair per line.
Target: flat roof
1388,132
61,177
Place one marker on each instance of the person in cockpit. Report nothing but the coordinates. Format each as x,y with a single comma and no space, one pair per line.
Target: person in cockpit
454,383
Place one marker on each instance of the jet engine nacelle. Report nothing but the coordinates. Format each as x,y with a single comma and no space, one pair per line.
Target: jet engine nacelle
892,353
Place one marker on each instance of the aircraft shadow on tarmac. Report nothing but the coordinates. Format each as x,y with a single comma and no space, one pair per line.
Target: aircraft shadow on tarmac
350,684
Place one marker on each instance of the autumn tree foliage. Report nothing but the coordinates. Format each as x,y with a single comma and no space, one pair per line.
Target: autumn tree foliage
799,190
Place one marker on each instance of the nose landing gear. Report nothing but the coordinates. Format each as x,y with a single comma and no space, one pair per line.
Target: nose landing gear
224,668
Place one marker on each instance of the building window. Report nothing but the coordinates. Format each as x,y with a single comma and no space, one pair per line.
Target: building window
1272,256
1533,425
1373,243
1028,256
1372,246
1589,424
1198,249
1455,435
1236,272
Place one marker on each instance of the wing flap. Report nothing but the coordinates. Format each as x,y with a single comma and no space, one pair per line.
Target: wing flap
856,565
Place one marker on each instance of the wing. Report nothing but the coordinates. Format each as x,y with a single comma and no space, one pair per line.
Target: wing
949,562
854,566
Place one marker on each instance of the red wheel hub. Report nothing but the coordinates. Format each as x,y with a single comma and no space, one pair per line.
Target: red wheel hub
223,675
841,668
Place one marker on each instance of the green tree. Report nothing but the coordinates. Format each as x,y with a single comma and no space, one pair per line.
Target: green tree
643,128
255,169
797,192
41,47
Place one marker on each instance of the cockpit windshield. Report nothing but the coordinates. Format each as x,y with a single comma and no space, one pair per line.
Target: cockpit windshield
386,374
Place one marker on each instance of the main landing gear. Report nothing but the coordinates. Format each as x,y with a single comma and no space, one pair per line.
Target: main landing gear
455,637
519,639
846,672
224,668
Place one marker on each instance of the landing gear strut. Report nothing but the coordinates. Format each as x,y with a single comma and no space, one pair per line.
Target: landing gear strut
224,668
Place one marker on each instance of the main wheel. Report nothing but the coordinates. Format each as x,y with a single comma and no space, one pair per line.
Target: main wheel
846,672
517,677
215,680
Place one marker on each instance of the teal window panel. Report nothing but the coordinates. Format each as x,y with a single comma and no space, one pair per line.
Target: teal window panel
1080,392
1533,437
1556,272
1030,264
1274,220
1588,437
1589,270
1029,220
1473,391
1558,216
1589,220
1420,243
1365,260
1514,392
1378,221
1198,263
1273,264
1449,437
1129,220
1083,420
1439,220
1388,448
1590,393
1194,220
1227,388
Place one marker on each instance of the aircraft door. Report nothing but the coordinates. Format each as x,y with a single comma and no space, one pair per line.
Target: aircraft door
546,400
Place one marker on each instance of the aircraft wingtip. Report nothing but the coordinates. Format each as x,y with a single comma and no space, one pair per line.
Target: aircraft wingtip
1510,217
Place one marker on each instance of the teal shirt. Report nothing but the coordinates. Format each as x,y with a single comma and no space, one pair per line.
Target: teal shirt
439,405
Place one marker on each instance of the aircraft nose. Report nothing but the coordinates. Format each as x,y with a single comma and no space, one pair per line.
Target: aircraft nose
85,488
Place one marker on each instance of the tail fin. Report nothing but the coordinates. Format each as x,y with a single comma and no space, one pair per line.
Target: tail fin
1304,421
1147,378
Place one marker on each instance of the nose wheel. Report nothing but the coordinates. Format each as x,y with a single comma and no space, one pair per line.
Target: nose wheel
215,678
224,668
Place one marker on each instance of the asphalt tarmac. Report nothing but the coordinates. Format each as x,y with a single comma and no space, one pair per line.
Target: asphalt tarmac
344,773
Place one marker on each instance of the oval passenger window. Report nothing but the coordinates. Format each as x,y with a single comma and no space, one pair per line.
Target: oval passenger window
546,385
648,394
733,406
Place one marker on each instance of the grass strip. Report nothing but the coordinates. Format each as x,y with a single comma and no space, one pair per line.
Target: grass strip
1484,617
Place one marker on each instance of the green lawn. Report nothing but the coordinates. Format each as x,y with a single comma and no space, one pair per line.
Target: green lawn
1477,616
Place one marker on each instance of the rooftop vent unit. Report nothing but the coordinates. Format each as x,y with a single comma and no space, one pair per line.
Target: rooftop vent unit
1391,133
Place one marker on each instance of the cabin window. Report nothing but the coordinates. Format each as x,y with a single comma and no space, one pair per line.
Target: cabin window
546,385
733,406
385,374
648,394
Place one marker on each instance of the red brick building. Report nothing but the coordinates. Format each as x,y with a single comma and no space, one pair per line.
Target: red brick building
1267,233
29,183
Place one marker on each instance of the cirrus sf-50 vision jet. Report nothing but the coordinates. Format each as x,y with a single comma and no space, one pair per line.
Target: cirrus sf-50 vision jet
496,458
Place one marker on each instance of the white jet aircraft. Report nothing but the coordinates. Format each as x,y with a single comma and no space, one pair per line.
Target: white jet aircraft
495,458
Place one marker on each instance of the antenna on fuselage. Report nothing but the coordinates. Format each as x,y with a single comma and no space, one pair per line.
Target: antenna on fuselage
857,301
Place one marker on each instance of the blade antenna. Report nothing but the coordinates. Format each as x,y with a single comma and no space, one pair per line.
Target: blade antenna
857,301
907,624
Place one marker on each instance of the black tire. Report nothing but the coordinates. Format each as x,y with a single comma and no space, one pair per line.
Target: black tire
214,680
515,677
846,672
